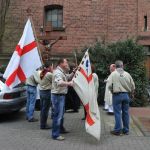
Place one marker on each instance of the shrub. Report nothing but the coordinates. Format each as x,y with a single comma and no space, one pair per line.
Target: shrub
131,54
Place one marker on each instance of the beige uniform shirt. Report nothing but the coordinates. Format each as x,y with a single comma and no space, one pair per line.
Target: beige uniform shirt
31,81
121,81
59,75
46,82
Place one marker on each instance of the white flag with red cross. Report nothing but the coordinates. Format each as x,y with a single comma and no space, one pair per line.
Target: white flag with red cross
83,84
25,59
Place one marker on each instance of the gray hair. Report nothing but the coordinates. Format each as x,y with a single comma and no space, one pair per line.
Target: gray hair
119,64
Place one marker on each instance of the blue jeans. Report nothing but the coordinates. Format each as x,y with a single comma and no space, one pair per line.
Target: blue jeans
45,99
121,111
58,105
31,100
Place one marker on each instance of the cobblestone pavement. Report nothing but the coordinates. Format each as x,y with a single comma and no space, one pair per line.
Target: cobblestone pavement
141,117
17,134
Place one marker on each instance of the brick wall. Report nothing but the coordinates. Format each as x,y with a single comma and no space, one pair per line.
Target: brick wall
88,20
144,36
143,10
122,19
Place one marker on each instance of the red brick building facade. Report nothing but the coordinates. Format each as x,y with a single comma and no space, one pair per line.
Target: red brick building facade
83,22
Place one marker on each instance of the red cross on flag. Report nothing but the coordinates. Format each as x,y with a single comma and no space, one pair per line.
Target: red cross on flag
25,59
83,84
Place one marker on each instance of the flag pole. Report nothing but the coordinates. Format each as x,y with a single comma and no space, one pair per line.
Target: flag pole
34,32
75,56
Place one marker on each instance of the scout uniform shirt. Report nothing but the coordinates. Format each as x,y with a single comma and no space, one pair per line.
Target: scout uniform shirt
59,75
31,81
46,82
121,81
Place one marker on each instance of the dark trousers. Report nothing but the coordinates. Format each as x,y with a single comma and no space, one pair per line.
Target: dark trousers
45,100
72,100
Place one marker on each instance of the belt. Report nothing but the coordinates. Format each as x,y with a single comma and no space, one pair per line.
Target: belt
59,94
120,93
30,85
45,90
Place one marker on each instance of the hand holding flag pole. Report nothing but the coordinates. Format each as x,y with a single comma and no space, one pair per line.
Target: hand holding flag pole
75,56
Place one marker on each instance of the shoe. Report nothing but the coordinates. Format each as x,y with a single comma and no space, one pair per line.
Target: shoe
72,111
125,133
60,138
116,133
75,111
64,132
33,120
110,113
46,128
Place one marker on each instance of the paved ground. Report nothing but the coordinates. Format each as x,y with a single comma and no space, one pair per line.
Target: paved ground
141,117
17,134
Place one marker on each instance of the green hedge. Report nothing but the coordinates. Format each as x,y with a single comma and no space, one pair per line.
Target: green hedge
131,54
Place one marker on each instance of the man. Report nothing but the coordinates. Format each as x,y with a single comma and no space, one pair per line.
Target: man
108,95
44,78
31,98
121,84
59,90
72,101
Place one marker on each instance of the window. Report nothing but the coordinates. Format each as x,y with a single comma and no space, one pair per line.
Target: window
147,49
145,23
54,14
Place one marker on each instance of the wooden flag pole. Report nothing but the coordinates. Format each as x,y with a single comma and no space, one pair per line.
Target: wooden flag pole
75,55
34,31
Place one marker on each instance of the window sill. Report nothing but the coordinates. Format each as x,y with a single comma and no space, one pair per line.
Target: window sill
61,29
